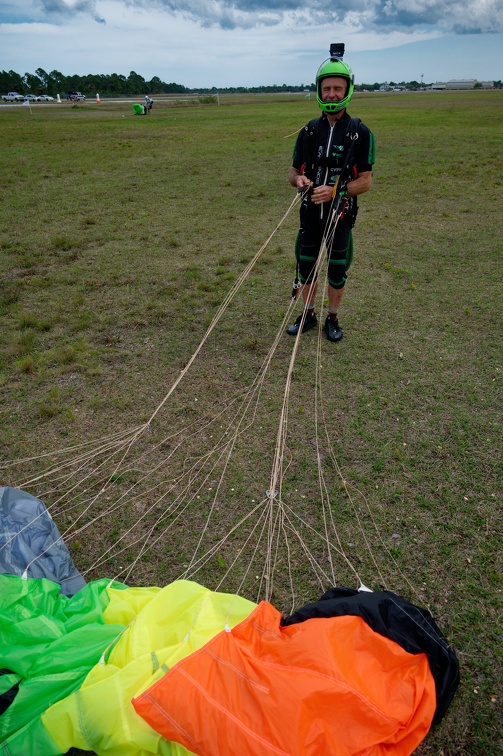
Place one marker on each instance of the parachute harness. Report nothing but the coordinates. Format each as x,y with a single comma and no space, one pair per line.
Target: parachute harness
340,200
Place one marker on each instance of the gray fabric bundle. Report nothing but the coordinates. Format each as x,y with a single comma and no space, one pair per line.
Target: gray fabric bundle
27,531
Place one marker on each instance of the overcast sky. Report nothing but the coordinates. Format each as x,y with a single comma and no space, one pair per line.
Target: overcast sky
224,43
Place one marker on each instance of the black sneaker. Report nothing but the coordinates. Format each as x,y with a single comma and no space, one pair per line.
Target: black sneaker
333,329
309,322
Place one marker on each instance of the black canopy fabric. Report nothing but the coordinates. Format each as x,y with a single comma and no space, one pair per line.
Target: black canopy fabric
414,629
9,688
30,539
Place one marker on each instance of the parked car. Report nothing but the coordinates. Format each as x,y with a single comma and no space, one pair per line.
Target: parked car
45,98
13,97
30,98
77,96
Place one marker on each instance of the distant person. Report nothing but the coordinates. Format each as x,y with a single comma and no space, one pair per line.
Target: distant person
332,164
148,104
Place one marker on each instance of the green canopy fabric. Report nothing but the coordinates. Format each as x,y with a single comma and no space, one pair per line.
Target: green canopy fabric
49,642
69,666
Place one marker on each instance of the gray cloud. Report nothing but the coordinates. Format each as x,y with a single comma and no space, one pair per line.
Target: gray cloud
450,15
469,16
231,14
65,9
456,16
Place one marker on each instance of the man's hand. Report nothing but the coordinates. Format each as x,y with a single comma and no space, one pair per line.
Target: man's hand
302,181
322,194
297,179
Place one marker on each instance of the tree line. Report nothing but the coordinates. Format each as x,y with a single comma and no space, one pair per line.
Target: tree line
113,85
110,85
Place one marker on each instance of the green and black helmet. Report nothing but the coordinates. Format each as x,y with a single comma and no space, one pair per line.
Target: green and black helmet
335,66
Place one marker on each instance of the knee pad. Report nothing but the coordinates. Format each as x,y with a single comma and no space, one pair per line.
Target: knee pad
338,284
337,273
307,262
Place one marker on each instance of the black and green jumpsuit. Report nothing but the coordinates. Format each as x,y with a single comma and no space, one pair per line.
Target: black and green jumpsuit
320,153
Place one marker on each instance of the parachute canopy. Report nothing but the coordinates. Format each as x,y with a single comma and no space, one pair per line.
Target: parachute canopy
101,669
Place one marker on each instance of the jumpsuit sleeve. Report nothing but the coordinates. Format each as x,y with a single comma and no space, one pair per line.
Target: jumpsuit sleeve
365,152
298,158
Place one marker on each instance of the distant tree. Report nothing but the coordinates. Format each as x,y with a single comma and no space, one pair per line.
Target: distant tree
366,87
102,83
33,83
4,81
136,84
477,85
174,88
56,83
154,86
73,83
43,76
117,84
12,82
91,83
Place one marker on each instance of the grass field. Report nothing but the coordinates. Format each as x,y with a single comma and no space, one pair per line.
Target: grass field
120,238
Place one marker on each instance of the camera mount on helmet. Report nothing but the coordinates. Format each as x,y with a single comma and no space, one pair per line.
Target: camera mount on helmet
337,50
335,66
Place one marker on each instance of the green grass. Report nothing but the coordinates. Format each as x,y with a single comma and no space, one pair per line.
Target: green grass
120,238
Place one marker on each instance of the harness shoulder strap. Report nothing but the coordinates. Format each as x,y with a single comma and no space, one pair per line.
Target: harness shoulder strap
313,160
353,125
350,141
311,142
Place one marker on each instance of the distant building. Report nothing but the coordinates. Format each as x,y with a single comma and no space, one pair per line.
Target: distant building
462,84
395,88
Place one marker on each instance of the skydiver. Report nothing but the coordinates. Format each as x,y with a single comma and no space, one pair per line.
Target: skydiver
332,164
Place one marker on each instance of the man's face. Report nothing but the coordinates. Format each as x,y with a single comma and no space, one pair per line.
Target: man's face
333,88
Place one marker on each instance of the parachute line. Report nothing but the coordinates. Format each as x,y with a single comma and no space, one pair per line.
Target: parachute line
169,479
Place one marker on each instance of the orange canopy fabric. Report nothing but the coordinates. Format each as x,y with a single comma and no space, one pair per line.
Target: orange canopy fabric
327,686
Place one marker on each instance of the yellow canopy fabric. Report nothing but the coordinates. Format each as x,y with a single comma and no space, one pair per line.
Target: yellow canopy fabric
163,626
